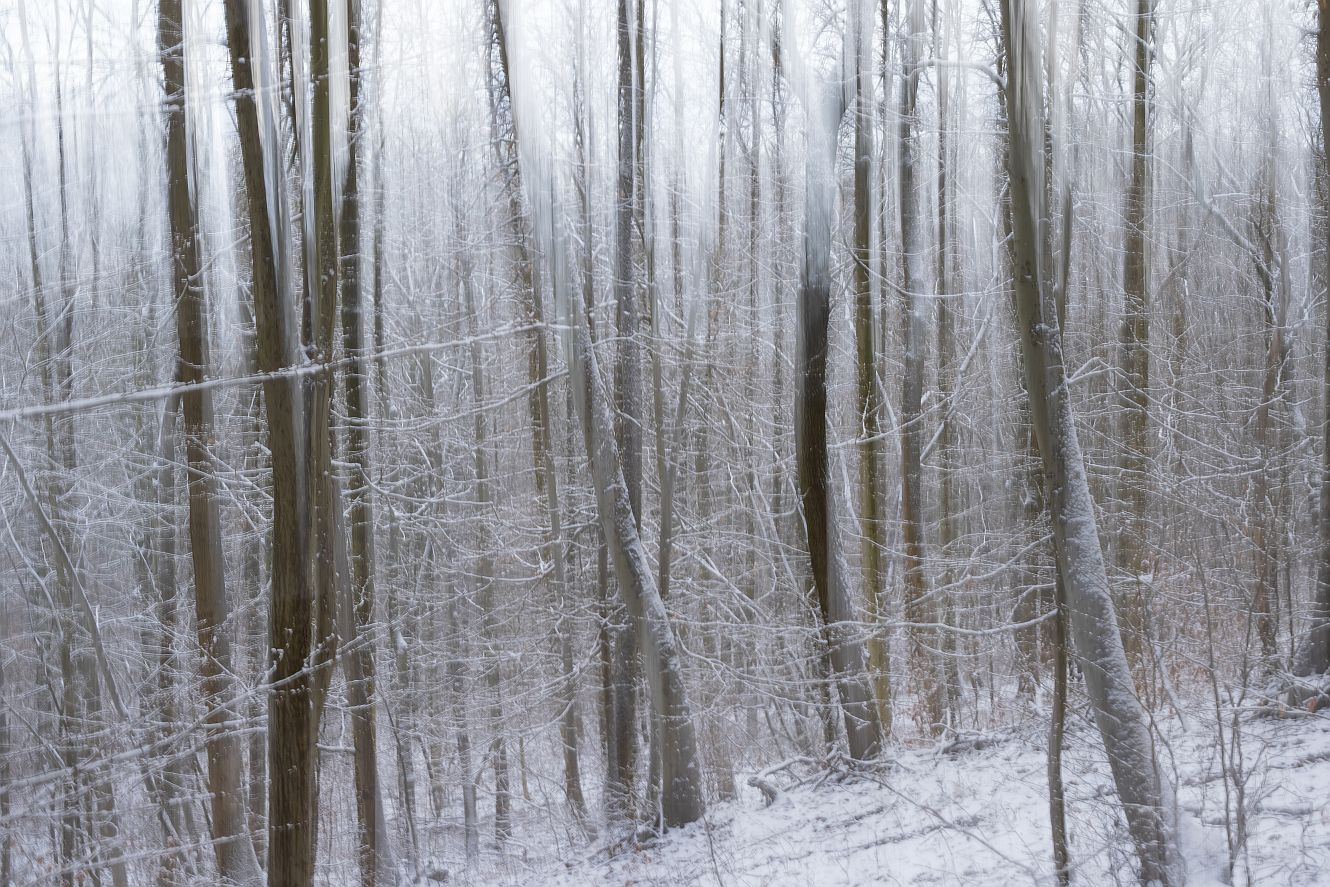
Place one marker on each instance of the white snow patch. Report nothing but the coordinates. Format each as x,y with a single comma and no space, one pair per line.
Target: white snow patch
981,818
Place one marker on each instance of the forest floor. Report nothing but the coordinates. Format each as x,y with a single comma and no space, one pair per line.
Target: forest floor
979,816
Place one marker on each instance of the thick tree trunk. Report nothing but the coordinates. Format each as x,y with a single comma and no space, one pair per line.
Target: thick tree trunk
842,649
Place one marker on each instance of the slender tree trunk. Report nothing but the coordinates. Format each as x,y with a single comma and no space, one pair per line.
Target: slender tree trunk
292,725
868,390
627,385
1133,556
1313,655
159,592
322,280
920,611
377,854
83,664
236,860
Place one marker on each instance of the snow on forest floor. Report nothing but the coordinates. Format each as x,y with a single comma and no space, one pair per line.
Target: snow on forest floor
980,817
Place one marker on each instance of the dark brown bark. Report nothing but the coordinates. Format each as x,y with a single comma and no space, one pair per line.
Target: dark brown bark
1133,555
293,802
377,856
236,861
1313,656
868,388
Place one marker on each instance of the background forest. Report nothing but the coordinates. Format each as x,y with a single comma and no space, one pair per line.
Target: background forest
507,440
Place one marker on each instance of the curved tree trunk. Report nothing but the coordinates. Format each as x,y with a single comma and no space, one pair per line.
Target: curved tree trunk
680,765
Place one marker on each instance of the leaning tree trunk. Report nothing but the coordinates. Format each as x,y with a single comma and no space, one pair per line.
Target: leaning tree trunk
236,861
680,764
292,803
1145,792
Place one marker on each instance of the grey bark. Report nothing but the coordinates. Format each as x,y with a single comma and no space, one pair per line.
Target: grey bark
1142,786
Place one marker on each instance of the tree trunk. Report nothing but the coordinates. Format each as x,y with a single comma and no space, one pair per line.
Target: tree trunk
1133,556
1313,655
236,860
293,801
1143,788
843,651
920,611
868,388
627,385
377,854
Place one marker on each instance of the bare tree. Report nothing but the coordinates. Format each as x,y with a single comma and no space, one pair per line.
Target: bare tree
1313,653
236,861
1135,461
825,104
1144,789
868,386
292,724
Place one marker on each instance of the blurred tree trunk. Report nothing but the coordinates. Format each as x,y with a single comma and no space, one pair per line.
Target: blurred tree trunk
920,609
1144,790
868,387
236,860
538,407
292,721
1134,471
1313,655
377,854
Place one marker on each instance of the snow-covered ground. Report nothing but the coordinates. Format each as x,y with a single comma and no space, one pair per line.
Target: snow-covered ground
979,817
